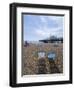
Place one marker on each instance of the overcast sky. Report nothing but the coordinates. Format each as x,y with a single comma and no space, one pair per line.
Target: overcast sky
38,27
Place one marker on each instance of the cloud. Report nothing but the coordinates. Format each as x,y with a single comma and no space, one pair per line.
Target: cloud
51,21
43,19
42,33
57,19
47,32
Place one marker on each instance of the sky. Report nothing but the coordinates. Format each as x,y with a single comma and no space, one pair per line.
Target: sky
39,27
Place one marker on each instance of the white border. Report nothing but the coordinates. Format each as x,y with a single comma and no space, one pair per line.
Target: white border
43,78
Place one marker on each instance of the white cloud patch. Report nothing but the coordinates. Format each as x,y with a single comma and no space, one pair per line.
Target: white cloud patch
42,33
45,31
43,19
58,20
